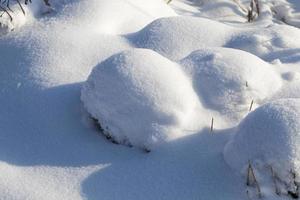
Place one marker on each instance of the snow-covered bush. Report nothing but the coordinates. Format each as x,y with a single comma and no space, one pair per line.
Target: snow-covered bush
269,138
165,35
141,98
227,80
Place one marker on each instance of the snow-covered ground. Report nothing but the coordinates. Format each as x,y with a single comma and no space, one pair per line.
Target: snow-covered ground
140,99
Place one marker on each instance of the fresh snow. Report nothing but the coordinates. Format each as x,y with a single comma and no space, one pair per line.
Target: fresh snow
140,97
191,81
268,137
262,132
227,80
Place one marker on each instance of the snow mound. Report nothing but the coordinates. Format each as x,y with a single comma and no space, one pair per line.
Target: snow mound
141,98
227,80
176,37
269,136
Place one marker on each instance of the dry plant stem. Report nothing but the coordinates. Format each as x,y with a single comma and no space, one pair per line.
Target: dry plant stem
252,181
10,17
23,11
251,105
251,15
257,7
274,178
212,125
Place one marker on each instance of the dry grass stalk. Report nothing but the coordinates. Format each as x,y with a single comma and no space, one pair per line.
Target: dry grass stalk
274,178
254,6
251,105
252,181
212,125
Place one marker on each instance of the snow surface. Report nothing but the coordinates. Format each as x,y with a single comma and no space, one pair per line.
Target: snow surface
268,135
140,98
227,80
269,138
50,148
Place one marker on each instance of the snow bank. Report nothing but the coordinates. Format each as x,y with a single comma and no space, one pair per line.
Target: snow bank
227,80
140,98
176,37
269,136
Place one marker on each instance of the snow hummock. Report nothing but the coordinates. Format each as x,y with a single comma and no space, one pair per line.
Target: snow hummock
50,147
164,35
139,97
268,136
227,80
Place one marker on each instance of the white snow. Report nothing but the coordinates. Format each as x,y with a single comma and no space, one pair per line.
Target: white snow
165,35
155,75
227,80
268,138
268,135
140,98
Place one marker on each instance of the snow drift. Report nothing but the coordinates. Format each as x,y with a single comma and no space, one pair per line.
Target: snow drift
268,136
165,35
140,98
227,80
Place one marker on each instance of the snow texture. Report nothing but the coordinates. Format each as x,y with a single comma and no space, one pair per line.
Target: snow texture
268,136
227,80
139,97
156,98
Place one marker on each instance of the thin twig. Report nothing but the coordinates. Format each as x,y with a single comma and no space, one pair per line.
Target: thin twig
252,181
212,125
251,105
274,178
6,13
23,11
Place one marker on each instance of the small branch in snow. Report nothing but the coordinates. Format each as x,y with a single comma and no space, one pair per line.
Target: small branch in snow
23,11
251,105
9,15
251,179
274,178
169,1
254,5
212,125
